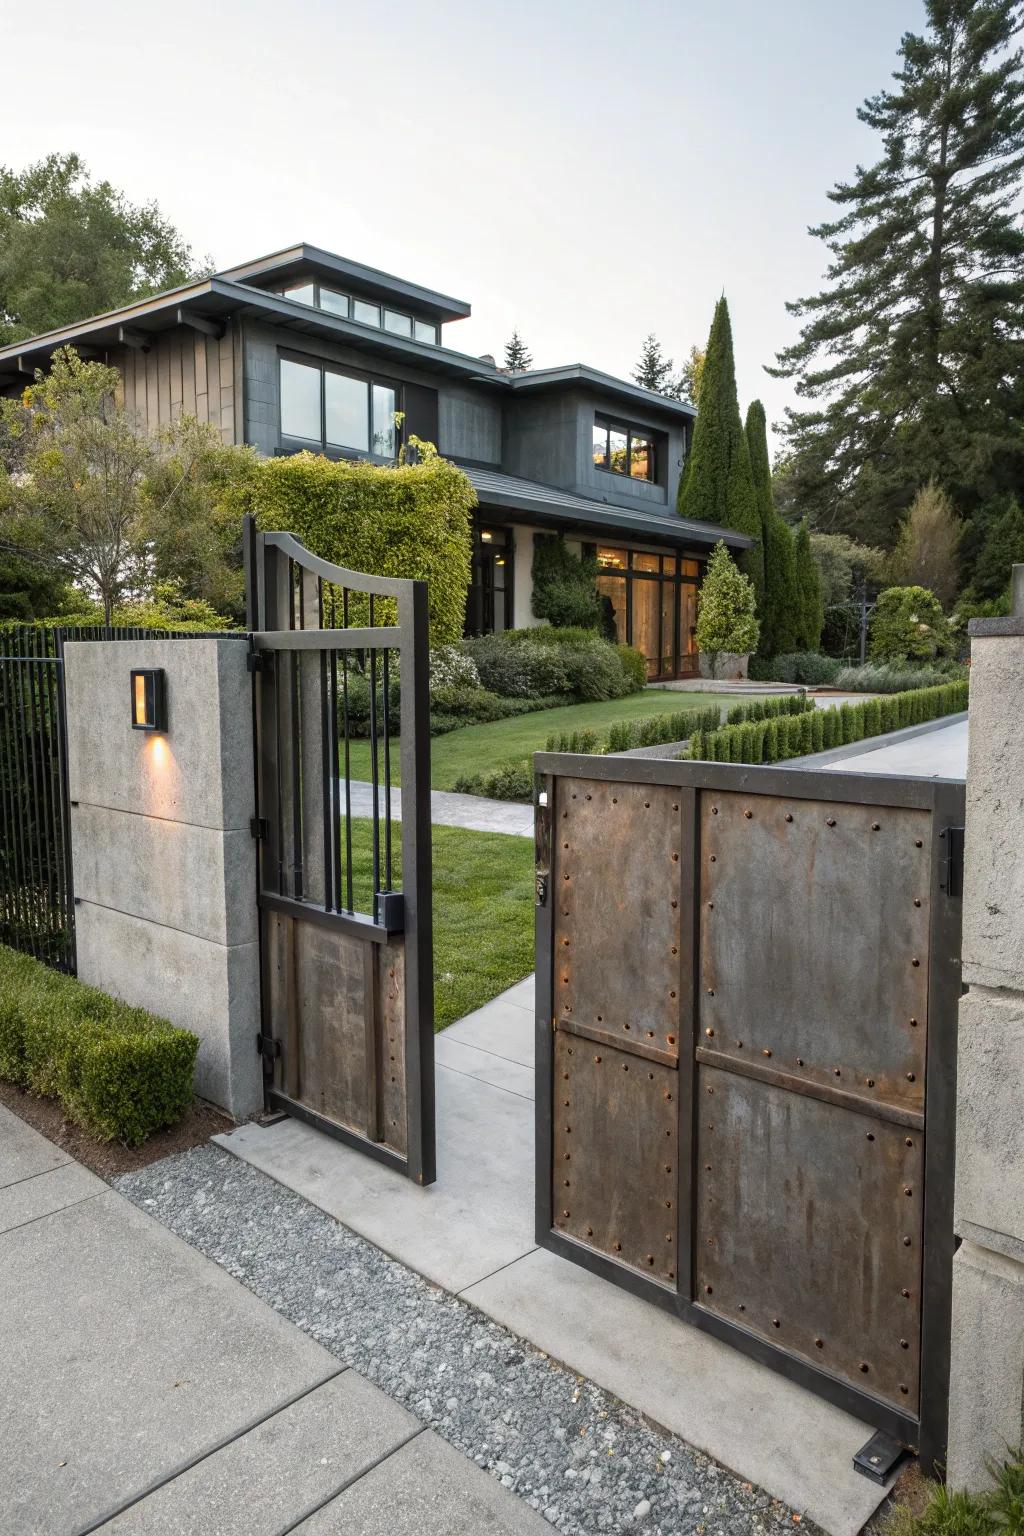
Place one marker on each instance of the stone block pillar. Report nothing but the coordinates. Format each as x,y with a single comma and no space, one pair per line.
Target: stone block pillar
164,861
987,1375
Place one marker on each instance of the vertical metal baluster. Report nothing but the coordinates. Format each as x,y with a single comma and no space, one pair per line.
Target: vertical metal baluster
44,822
295,734
67,867
23,769
7,808
374,769
327,795
336,769
387,775
348,775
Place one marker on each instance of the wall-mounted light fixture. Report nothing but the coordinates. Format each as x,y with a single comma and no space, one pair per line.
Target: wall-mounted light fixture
149,699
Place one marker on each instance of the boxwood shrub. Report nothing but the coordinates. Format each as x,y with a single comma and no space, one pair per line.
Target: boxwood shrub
785,736
119,1071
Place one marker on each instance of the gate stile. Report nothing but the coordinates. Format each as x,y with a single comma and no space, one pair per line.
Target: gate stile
747,988
346,952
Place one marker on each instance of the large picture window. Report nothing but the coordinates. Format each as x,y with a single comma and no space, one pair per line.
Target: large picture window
323,407
624,450
649,601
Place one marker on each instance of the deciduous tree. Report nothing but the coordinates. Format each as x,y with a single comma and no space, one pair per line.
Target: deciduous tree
71,247
926,550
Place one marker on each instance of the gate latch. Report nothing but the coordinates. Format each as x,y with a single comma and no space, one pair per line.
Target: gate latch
268,1047
258,828
952,870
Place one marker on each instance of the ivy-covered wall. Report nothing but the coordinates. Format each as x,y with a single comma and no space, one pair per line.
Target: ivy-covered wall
410,520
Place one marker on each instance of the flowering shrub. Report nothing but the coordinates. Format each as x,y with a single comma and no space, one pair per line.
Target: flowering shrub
450,667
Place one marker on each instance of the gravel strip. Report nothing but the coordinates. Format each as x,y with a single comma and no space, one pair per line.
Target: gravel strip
571,1450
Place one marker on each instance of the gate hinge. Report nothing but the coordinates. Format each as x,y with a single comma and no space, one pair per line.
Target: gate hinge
267,1046
952,873
258,827
255,661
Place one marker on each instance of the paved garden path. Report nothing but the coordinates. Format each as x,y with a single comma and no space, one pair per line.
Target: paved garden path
448,809
147,1393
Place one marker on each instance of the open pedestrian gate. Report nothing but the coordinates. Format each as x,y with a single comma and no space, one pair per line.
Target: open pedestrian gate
747,987
347,1032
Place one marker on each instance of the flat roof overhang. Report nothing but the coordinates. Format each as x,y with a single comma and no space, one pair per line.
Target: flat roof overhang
279,266
212,303
610,523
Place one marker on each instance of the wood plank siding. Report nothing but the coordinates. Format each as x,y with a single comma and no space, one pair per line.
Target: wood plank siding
183,374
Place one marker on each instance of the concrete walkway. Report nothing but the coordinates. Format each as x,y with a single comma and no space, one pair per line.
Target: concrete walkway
448,809
473,1234
934,754
147,1393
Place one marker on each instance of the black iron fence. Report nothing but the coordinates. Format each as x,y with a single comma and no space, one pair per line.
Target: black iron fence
37,901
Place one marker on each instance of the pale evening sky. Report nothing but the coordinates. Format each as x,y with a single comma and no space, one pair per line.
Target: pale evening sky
586,172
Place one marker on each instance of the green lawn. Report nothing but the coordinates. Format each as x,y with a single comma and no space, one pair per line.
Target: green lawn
477,748
483,912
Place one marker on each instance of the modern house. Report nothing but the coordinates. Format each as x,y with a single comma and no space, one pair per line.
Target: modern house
307,350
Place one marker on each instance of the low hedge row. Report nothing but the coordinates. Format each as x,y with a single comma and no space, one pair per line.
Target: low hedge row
768,709
818,730
119,1071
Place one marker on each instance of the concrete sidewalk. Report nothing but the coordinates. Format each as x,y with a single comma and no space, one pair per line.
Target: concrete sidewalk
473,1234
447,809
147,1392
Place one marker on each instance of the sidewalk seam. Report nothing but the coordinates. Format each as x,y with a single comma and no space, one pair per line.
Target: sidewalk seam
71,1205
356,1477
186,1466
41,1173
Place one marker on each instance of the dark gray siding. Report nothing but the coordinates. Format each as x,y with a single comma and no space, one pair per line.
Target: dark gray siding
540,438
469,424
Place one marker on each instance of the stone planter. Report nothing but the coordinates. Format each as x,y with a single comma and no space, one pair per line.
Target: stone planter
729,666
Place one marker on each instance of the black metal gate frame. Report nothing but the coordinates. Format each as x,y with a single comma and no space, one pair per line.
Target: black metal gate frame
945,800
271,562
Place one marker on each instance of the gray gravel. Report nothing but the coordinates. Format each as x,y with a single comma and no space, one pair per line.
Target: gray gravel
571,1450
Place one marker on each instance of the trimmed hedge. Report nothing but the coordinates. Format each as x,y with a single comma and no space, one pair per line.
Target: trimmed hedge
509,781
119,1071
784,736
807,667
767,709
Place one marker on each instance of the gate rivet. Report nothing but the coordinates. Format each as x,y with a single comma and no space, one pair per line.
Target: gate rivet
904,1344
906,1242
668,1167
776,1323
906,1294
565,1213
598,1060
864,1366
565,1103
748,814
836,1072
830,821
871,1082
789,816
914,1023
675,807
907,1190
566,1156
590,1231
675,858
675,904
915,961
904,1389
910,1077
871,1135
739,1045
707,1167
712,859
917,901
671,1039
819,1343
743,1306
671,1274
617,1247
714,810
668,1237
876,826
647,804
709,1033
615,799
650,1258
708,1290
918,843
766,1051
671,994
799,1061
909,1142
565,845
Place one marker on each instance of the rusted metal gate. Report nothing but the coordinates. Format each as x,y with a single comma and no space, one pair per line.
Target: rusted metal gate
747,983
346,951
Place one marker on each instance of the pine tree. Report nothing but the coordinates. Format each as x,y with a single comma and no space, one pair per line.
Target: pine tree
518,357
911,353
654,370
779,607
809,610
717,485
1004,547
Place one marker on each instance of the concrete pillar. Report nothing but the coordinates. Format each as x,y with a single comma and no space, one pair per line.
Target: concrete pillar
987,1375
523,616
164,861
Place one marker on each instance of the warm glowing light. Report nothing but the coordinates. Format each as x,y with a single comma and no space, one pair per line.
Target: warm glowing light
139,715
149,699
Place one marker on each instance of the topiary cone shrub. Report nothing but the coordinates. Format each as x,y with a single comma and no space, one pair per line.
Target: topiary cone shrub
726,614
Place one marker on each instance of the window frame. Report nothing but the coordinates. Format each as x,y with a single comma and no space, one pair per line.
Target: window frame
288,443
610,424
354,298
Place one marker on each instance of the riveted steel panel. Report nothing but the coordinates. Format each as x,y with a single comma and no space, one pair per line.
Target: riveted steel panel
814,925
615,1146
622,972
809,1230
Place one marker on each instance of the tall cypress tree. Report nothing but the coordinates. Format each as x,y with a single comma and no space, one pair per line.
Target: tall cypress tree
717,485
809,610
911,354
781,600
